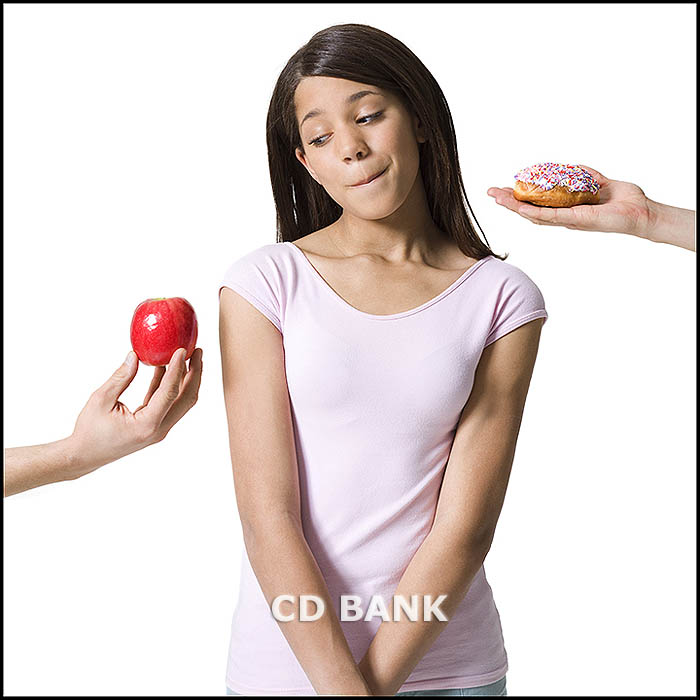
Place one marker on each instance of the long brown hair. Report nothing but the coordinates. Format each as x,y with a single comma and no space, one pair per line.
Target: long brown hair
365,54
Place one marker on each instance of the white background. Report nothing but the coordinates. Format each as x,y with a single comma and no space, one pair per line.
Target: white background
136,166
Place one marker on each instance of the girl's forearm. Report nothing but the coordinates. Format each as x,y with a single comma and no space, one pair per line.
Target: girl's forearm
284,565
442,565
672,225
29,467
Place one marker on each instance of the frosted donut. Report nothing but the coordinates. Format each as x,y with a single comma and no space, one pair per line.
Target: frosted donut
556,185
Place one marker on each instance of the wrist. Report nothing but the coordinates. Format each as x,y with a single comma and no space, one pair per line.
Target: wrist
371,681
667,224
657,220
353,685
73,457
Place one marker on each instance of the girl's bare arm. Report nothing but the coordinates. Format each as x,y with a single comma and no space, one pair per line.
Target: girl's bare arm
266,482
469,504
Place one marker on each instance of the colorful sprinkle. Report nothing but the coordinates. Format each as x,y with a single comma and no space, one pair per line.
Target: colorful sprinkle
549,175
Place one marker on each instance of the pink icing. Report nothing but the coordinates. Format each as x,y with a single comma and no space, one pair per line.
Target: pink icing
549,175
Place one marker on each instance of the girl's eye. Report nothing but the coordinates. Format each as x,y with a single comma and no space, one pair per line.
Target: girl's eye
318,143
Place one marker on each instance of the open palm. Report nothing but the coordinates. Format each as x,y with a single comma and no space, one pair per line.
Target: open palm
623,208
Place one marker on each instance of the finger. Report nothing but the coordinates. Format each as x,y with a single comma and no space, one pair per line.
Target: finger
195,362
167,391
174,358
537,221
546,215
550,216
188,396
155,383
505,198
602,180
114,387
496,191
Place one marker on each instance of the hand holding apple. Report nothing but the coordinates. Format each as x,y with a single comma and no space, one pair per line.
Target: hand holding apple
161,326
107,430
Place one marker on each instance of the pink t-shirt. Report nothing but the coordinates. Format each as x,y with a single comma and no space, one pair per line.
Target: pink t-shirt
375,402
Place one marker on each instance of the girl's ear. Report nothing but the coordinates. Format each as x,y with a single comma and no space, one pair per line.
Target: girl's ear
419,130
302,159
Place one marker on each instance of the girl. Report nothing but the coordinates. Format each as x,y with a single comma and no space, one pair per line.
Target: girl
376,361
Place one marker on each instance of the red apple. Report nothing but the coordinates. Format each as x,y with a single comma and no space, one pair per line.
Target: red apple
160,326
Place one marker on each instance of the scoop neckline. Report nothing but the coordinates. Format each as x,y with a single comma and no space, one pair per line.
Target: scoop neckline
385,317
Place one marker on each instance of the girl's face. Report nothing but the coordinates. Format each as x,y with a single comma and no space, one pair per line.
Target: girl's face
354,132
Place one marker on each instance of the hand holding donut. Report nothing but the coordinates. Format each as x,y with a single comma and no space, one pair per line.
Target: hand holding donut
620,207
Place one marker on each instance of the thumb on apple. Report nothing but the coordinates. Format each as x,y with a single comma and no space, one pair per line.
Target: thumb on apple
115,386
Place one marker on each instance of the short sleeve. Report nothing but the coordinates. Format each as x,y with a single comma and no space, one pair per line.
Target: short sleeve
519,301
256,278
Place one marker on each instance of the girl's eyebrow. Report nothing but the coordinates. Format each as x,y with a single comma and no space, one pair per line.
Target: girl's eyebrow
348,100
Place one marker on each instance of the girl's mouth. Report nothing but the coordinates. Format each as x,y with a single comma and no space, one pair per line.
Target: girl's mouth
374,179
